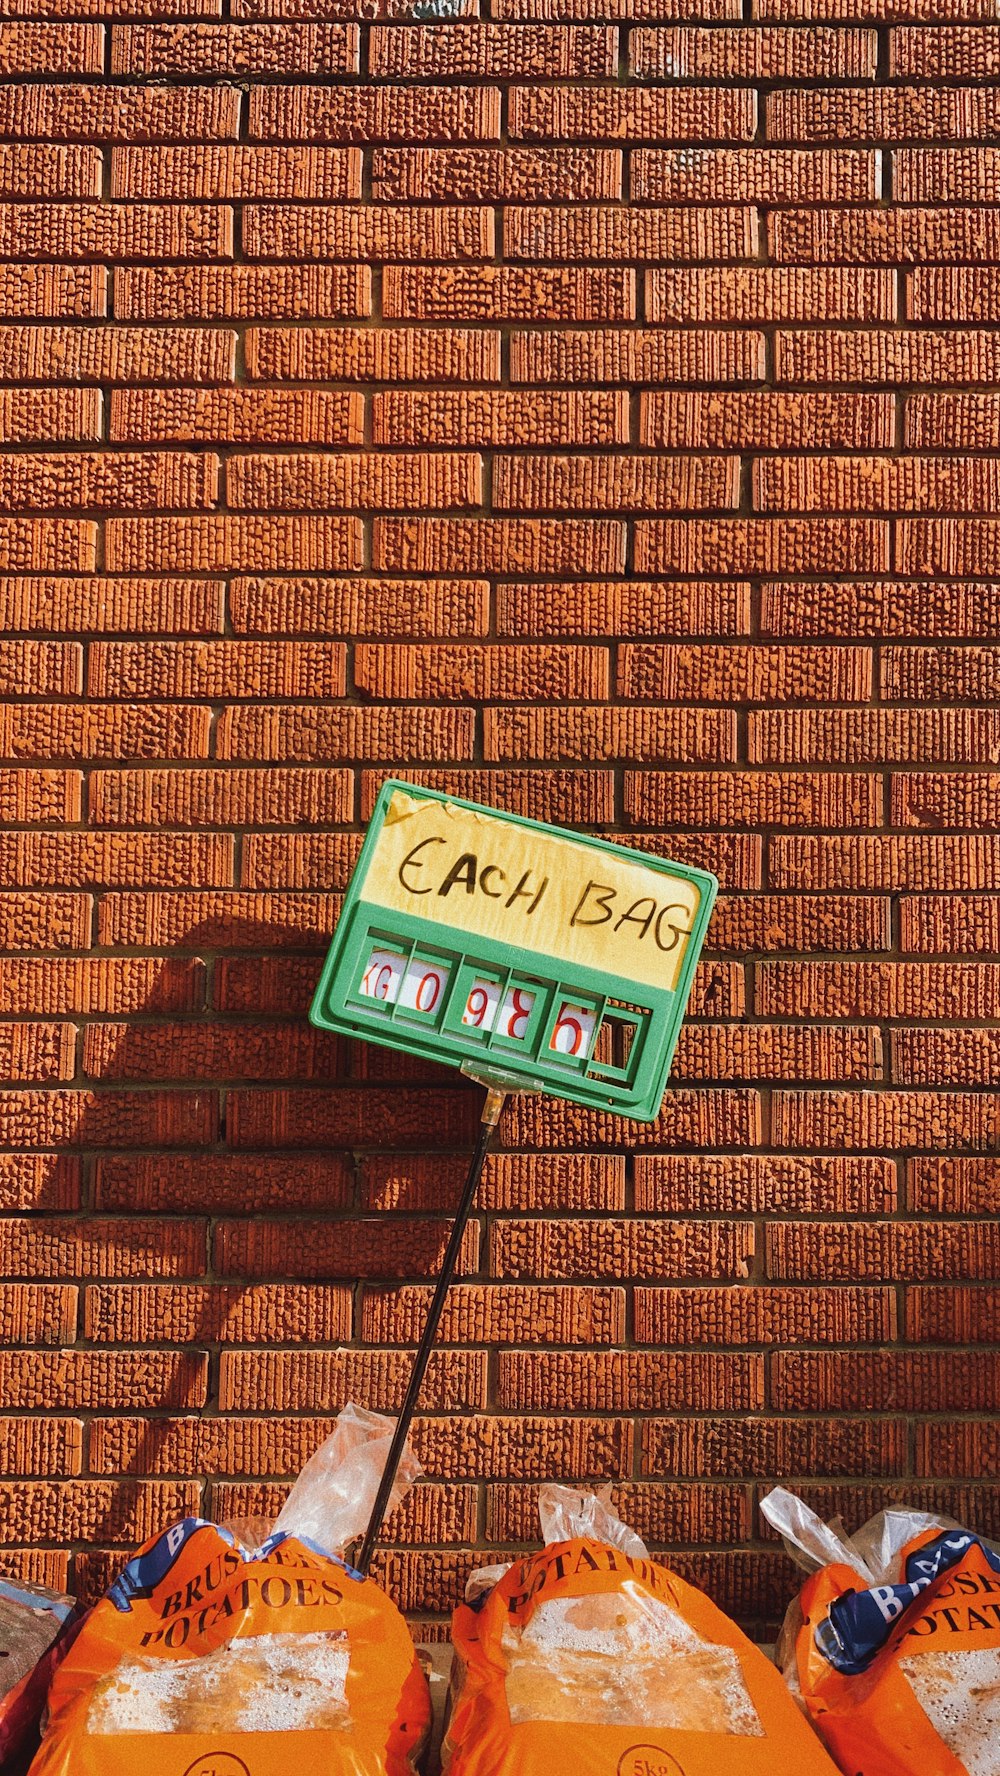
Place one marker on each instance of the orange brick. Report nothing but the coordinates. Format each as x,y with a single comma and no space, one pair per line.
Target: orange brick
87,730
107,231
82,859
238,798
234,49
50,415
39,798
751,798
417,608
887,237
800,922
900,484
628,1381
206,1051
896,113
614,483
953,1316
493,51
741,545
950,422
367,231
778,1448
41,1445
351,354
873,736
938,799
496,175
352,1250
243,172
773,1051
593,733
42,1313
528,545
130,1248
752,53
607,232
44,921
966,293
498,1314
897,861
31,292
948,51
222,920
964,923
633,114
117,354
941,674
507,293
93,604
599,1247
281,1380
880,989
883,1381
963,1057
59,1118
876,355
102,1379
93,113
105,481
374,113
882,608
582,798
755,175
240,292
886,1120
624,608
87,984
764,1315
759,293
766,421
48,545
640,355
83,1510
743,674
28,48
355,482
236,416
222,1183
500,417
504,672
218,544
884,1251
759,1183
586,1181
38,171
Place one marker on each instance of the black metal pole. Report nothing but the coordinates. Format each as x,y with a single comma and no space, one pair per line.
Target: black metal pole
491,1114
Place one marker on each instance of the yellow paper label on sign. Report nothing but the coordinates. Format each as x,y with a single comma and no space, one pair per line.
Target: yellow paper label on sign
533,890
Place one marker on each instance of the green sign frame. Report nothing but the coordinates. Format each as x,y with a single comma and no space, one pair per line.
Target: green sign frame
420,960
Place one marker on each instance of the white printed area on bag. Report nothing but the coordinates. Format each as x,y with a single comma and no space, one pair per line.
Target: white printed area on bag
264,1683
960,1694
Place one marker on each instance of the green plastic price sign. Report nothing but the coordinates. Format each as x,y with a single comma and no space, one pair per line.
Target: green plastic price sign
503,946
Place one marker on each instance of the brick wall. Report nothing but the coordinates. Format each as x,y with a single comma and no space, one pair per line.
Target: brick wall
598,419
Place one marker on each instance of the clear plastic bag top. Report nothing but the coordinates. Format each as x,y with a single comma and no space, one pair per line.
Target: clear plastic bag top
332,1499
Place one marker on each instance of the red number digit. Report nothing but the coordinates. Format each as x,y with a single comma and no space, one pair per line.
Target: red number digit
428,991
520,1011
476,1006
565,1022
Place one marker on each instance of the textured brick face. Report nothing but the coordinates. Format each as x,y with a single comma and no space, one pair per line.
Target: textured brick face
587,406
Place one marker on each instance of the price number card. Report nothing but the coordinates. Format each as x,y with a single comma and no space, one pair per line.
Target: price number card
471,936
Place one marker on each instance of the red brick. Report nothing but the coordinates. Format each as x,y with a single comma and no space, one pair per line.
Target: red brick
493,51
741,545
897,861
87,1510
38,1313
31,292
374,231
765,421
217,669
374,113
876,355
964,422
107,231
929,1119
628,1381
290,731
953,1316
752,53
943,674
43,171
504,1448
498,1314
945,50
898,113
604,1248
885,237
28,416
101,984
82,859
752,798
350,354
236,416
624,608
799,922
615,483
41,1446
943,1185
632,114
28,48
485,545
238,292
877,608
595,733
883,1381
222,1182
500,417
39,798
938,799
44,921
430,1514
751,674
417,608
881,989
968,924
213,798
473,672
95,604
124,1313
102,1379
584,1181
282,1380
357,481
223,920
352,1117
760,293
108,731
764,1316
957,1447
93,113
117,354
761,1183
95,1248
755,175
204,172
102,481
901,484
205,1051
60,1118
965,293
664,1515
775,1051
581,798
496,175
507,293
640,355
234,49
219,544
607,232
351,1249
873,736
773,1448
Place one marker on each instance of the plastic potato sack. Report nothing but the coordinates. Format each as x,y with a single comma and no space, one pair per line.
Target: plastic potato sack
894,1642
589,1659
209,1658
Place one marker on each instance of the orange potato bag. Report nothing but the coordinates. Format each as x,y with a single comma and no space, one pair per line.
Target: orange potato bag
589,1659
893,1644
207,1659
